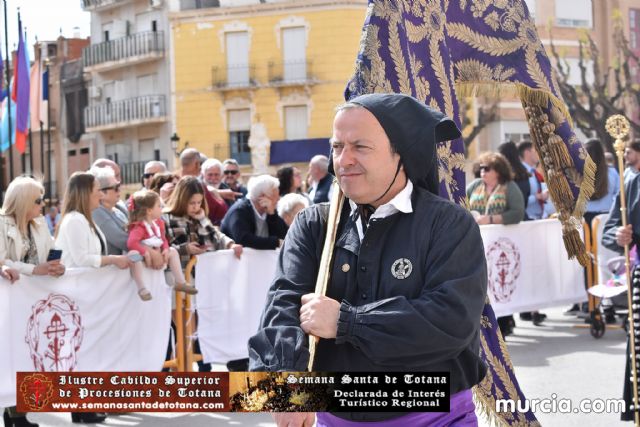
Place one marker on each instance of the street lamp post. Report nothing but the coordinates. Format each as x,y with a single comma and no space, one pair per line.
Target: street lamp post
175,144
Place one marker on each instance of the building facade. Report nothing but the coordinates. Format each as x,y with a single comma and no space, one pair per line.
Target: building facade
49,142
283,65
129,114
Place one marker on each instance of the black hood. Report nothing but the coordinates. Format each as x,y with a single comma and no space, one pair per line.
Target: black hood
413,130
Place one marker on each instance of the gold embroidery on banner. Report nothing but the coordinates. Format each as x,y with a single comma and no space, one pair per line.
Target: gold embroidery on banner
493,46
441,74
471,70
447,162
397,56
423,90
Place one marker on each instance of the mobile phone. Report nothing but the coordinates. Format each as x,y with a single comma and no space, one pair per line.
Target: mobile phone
54,254
135,257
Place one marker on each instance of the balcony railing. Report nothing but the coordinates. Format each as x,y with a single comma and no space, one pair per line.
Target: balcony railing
127,112
291,73
132,172
135,45
93,5
234,77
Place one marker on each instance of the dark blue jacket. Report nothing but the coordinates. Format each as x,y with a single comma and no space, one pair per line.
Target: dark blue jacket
632,194
322,191
240,224
428,321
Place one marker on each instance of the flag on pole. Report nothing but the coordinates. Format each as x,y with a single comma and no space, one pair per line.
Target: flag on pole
4,125
36,95
44,105
20,94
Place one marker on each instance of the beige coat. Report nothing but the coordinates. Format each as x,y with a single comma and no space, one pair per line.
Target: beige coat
13,248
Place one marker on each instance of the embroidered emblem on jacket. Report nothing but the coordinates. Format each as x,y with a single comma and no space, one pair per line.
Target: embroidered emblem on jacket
401,268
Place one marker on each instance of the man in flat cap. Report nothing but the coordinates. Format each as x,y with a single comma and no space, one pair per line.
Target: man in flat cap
408,279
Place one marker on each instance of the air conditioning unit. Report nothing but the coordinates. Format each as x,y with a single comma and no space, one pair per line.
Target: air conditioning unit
155,3
95,92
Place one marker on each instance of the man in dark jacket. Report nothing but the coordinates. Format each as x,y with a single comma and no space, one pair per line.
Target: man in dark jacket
408,279
253,222
321,178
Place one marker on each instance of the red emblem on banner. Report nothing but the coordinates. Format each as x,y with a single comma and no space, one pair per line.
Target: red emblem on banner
503,262
36,390
54,334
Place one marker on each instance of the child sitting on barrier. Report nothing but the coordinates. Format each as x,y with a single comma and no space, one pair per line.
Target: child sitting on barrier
189,229
146,230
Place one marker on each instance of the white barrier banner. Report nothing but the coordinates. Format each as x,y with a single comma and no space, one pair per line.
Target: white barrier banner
86,320
528,267
231,297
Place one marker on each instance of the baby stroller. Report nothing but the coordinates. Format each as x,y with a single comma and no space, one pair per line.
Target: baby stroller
613,298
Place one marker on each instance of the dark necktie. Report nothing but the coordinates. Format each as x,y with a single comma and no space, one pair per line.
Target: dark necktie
364,212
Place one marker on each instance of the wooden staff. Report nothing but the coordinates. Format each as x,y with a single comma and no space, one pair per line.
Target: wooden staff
326,261
618,128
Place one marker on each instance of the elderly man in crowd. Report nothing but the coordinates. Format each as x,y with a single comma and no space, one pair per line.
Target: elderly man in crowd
150,170
321,179
289,206
211,174
253,222
231,171
190,162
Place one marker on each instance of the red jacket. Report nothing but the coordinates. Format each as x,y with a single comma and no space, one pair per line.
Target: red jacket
138,232
217,208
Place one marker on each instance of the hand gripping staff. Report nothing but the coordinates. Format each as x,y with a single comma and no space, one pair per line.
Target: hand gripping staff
324,272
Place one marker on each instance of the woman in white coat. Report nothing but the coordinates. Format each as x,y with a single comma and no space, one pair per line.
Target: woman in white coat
83,244
24,246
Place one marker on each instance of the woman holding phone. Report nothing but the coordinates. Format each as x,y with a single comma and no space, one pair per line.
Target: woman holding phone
25,243
189,229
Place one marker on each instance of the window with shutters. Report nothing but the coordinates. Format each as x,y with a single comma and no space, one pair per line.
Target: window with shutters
237,51
294,54
296,122
239,130
574,13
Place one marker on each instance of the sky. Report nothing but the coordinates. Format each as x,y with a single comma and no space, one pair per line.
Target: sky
43,19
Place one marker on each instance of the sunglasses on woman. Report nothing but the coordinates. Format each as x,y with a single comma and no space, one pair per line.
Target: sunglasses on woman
113,187
39,200
485,168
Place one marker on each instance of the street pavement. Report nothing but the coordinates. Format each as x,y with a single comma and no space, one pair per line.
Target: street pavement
556,358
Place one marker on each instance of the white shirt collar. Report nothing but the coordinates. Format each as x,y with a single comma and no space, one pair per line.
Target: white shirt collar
258,214
400,203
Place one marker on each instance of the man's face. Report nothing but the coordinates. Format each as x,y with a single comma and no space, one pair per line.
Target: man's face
231,174
213,176
631,156
149,173
192,169
531,157
362,158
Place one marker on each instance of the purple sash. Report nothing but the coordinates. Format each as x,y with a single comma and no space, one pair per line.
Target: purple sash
462,415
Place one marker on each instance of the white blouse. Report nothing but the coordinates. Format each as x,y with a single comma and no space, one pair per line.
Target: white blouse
79,243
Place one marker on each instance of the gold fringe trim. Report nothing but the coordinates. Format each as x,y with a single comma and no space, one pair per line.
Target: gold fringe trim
559,152
485,408
559,186
586,188
575,246
526,94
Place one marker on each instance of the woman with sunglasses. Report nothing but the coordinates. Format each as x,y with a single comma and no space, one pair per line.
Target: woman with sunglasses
24,246
495,199
108,217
